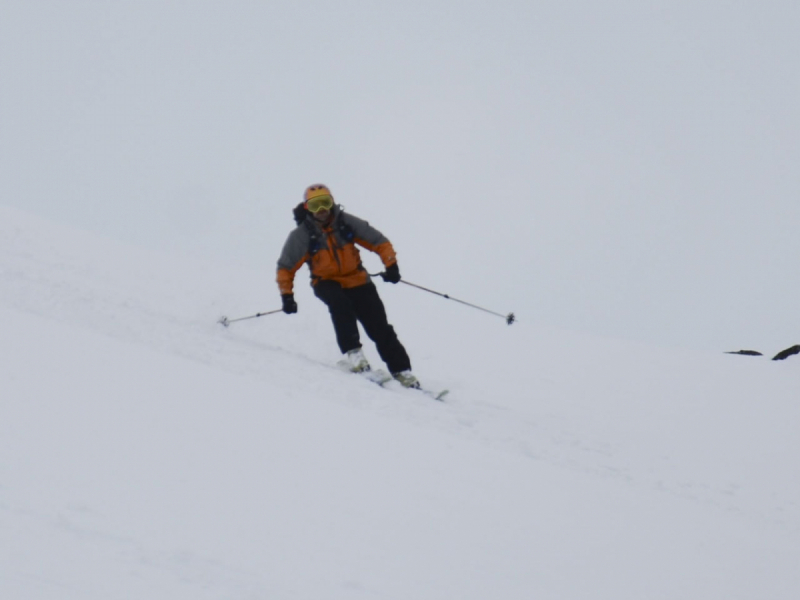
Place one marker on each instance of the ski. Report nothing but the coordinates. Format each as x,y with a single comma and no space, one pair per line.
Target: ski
435,395
376,376
381,378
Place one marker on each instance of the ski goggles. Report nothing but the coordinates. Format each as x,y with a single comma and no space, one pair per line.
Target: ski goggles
318,203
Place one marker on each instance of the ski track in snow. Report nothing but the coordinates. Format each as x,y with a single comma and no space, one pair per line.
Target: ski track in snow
119,292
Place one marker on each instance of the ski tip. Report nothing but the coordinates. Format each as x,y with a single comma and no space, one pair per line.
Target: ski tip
441,395
432,394
223,321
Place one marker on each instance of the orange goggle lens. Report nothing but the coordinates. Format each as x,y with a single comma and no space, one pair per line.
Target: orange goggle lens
319,203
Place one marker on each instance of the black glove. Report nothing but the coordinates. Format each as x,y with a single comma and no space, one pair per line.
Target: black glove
289,305
392,274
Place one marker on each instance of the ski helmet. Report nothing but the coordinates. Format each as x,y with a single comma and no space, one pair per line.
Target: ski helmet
318,196
317,189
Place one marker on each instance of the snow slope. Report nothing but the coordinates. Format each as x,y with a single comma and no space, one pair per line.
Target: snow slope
147,452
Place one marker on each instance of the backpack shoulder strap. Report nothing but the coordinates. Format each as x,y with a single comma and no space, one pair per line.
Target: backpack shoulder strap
345,230
314,243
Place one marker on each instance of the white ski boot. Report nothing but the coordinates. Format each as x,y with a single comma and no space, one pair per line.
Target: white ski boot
356,360
407,379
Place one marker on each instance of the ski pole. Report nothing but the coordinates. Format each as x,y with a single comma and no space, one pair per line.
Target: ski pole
510,318
225,321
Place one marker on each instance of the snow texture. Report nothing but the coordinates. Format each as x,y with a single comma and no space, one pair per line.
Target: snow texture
148,452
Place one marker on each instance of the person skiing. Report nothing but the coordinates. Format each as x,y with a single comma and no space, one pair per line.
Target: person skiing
325,238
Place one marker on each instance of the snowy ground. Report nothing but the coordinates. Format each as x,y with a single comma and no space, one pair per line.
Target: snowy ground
147,452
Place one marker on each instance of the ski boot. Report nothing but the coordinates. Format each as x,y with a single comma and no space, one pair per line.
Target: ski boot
356,360
407,379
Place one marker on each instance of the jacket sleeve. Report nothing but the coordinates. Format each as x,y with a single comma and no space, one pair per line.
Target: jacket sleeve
370,238
293,255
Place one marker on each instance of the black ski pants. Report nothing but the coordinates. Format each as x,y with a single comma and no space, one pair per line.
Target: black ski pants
348,306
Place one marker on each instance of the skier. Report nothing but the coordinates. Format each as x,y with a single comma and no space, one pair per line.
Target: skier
326,239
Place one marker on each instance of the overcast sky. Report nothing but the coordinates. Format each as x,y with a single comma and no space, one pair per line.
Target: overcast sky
623,168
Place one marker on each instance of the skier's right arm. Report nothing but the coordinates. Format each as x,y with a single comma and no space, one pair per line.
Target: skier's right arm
294,254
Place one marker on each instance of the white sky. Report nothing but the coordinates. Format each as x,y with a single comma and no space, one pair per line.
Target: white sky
625,169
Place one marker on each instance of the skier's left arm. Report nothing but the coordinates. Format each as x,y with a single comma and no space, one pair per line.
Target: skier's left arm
366,236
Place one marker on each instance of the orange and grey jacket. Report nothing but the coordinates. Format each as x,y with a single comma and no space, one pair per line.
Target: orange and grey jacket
330,251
